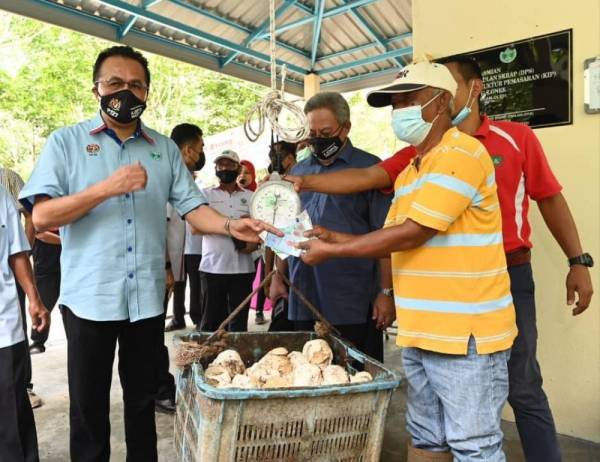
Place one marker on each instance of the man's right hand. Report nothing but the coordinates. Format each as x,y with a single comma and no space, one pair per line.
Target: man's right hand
297,181
321,233
126,179
278,289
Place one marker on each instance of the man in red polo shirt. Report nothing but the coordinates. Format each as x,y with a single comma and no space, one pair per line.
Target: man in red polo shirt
522,172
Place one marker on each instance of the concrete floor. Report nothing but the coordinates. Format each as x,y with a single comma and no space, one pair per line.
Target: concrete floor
50,383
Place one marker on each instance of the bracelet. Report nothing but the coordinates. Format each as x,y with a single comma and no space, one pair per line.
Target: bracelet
227,225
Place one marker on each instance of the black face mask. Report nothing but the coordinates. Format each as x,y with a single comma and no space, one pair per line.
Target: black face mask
123,106
227,176
200,162
325,149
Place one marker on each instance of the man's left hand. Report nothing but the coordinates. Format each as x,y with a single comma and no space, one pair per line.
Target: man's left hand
315,251
384,311
170,280
248,229
40,316
578,280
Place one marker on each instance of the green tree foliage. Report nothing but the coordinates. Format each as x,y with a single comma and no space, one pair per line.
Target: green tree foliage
46,83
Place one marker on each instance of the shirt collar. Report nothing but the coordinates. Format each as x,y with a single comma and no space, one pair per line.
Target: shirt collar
484,128
98,126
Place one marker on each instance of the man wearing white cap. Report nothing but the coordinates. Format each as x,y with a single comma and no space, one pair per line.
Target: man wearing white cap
226,268
456,320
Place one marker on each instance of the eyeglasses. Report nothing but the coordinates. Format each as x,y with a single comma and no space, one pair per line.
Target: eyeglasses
117,84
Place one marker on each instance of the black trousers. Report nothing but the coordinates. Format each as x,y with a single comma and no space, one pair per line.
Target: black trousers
526,395
166,381
221,294
91,352
27,365
18,438
260,295
191,263
49,288
365,336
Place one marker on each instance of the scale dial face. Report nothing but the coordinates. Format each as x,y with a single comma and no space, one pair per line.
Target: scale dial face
275,202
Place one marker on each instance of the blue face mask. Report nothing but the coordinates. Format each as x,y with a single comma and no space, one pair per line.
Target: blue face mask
408,123
464,112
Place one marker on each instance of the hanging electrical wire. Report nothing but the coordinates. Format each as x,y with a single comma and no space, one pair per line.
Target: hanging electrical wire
273,105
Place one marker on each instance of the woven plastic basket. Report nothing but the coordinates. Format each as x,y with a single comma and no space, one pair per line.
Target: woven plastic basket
341,423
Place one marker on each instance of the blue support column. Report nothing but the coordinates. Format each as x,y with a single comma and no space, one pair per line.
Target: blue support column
319,8
126,27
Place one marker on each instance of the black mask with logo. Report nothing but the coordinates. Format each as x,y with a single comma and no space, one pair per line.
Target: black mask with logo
326,148
123,106
227,176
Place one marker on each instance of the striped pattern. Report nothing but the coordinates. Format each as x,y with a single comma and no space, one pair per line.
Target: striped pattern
456,284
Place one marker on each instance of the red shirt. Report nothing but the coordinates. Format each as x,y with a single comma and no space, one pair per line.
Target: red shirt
522,171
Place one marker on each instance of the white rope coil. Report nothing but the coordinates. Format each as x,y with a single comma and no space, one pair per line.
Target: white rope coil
273,105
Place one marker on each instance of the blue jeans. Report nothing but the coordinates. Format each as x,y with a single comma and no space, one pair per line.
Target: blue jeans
455,402
526,395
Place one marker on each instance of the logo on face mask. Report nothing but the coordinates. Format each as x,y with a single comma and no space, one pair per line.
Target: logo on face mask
123,106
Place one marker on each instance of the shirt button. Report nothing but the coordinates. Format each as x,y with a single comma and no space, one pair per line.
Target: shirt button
129,221
129,249
130,275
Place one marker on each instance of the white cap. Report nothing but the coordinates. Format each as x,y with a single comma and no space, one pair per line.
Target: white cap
228,154
413,77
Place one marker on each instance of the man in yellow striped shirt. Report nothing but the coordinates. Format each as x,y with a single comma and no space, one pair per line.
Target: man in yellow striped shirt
456,318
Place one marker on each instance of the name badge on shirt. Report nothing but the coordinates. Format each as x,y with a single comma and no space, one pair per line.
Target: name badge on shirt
92,149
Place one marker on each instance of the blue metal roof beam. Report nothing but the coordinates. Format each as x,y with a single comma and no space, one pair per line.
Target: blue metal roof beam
363,62
170,23
149,3
364,47
319,9
230,23
126,27
261,29
342,9
365,25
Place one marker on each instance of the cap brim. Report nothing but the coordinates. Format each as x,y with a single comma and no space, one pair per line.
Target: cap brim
226,157
383,96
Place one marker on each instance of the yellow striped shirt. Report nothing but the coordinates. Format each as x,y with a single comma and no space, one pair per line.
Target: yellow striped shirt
456,284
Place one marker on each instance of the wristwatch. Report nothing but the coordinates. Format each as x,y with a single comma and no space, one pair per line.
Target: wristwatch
584,260
388,292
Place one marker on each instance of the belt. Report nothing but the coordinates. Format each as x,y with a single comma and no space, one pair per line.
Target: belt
518,257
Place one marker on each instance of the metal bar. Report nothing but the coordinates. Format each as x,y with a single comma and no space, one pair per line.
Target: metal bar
231,23
363,62
126,27
347,7
167,22
261,29
366,46
357,78
319,8
303,7
150,3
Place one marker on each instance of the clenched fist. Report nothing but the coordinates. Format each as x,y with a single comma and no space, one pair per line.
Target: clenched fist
126,179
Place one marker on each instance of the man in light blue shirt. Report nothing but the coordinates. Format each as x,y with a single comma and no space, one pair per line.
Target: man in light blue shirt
18,440
106,182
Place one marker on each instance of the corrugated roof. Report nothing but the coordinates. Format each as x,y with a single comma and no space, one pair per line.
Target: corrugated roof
360,43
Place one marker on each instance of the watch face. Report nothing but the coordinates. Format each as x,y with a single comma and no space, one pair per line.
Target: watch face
275,202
